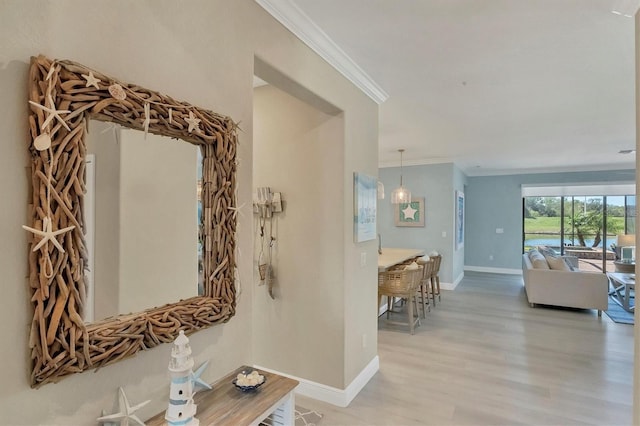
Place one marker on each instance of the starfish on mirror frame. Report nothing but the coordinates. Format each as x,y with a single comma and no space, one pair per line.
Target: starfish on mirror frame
194,123
235,126
92,80
126,414
409,212
237,210
53,113
48,234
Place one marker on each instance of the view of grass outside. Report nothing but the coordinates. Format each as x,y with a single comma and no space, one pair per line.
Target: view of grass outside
583,221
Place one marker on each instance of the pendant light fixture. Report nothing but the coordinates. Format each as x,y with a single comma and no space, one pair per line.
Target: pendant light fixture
401,194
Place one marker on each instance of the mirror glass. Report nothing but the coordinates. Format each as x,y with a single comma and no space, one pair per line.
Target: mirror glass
142,217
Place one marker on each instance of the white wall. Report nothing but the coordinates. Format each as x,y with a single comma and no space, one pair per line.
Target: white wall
201,52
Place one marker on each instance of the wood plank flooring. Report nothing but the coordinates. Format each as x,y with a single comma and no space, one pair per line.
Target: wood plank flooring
484,357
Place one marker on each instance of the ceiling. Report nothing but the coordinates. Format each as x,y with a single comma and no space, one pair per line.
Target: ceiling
495,86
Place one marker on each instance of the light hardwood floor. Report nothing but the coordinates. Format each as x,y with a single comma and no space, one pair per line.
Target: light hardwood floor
484,357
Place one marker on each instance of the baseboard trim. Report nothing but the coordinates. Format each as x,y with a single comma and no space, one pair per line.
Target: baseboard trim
329,394
453,285
448,286
493,270
383,308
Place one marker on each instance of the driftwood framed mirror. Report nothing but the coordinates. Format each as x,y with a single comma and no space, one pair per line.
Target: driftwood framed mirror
63,95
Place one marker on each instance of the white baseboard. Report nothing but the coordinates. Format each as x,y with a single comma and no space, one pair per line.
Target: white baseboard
493,270
453,285
448,286
383,308
329,394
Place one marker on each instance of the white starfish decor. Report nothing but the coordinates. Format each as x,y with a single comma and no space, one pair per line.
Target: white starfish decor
194,123
409,212
237,210
48,234
53,113
195,376
91,80
125,415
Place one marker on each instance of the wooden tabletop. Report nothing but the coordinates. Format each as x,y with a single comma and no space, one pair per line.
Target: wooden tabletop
394,256
227,405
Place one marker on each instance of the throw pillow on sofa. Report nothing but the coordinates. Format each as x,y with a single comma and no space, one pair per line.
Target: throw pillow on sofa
557,263
547,251
537,260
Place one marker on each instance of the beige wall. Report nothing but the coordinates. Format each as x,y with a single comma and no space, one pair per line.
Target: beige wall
158,221
101,141
146,220
298,151
636,333
202,52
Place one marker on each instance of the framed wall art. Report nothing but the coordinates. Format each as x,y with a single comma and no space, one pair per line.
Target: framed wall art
410,214
459,219
365,198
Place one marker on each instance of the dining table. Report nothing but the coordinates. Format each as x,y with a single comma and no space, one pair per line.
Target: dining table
395,256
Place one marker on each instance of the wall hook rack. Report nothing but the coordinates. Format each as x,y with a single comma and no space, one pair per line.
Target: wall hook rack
266,203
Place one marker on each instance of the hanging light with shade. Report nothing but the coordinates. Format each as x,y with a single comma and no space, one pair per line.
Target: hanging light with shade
400,194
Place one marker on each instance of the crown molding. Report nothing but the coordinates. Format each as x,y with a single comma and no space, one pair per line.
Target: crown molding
481,172
295,20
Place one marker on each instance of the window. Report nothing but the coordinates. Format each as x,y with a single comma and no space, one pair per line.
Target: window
579,225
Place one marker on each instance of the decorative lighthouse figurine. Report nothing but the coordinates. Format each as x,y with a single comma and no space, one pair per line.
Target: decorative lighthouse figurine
182,410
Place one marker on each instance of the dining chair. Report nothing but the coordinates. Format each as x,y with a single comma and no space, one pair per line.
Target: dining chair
425,284
404,284
435,277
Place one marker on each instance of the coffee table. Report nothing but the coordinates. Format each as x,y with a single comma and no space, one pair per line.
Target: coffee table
622,285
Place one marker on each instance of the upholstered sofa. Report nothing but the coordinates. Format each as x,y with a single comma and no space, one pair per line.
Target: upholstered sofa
565,285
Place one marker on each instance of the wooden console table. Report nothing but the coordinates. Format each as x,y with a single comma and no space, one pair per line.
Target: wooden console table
227,405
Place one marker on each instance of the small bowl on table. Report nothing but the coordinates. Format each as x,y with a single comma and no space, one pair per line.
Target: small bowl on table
247,388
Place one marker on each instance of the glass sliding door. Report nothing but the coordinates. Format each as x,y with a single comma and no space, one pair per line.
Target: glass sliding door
569,230
542,222
581,226
630,214
617,222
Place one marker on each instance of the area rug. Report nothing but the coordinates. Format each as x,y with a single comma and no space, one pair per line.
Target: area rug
617,314
304,417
